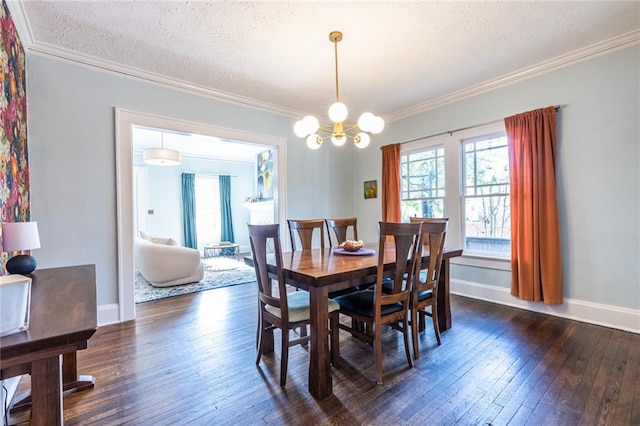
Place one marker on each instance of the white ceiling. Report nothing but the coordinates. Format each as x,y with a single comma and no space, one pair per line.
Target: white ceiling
396,58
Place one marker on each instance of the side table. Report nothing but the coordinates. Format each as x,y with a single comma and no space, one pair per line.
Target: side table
212,251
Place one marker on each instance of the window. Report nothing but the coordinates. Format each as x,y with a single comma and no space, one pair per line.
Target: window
207,210
463,176
486,194
422,183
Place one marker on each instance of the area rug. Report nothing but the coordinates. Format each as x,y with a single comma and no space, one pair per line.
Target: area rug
220,273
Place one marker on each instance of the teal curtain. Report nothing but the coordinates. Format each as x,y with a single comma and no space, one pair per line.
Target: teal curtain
226,233
189,210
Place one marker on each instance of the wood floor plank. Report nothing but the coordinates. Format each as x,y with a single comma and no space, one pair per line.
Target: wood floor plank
596,402
190,360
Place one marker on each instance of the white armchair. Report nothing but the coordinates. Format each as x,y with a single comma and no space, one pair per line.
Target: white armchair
167,265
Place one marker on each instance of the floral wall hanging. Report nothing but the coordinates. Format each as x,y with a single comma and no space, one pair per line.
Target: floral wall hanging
14,161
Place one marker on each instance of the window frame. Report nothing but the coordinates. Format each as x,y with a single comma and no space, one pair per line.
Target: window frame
454,200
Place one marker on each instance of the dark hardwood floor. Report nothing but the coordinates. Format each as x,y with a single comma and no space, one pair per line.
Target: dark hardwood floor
190,360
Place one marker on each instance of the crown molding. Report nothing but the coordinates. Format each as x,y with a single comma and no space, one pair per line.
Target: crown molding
69,56
597,49
19,17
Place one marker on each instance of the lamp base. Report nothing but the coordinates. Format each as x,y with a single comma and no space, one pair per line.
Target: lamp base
21,264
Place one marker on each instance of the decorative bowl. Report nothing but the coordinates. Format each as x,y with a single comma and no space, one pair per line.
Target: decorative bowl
351,245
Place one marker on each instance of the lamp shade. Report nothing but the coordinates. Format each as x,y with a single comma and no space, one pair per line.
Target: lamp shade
161,157
17,236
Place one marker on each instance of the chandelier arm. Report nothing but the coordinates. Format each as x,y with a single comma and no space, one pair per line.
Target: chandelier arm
323,138
327,129
347,128
350,127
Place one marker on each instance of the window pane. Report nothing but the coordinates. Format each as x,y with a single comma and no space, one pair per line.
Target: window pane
207,210
488,226
423,183
433,207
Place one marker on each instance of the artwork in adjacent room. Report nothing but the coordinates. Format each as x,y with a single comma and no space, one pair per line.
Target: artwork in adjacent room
14,164
265,175
370,189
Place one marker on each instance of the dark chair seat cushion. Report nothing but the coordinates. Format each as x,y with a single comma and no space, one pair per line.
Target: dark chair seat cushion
424,295
334,294
387,285
361,302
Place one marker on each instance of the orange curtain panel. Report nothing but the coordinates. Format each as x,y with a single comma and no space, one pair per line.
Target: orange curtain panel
536,261
391,183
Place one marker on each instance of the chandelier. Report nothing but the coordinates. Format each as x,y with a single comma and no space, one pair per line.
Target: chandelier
339,132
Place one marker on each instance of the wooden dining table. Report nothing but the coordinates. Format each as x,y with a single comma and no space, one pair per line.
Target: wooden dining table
320,271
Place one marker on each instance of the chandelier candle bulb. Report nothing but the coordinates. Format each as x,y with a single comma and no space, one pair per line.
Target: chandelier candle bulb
338,131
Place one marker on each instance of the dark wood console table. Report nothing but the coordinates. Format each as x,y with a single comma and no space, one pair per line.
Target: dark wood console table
62,319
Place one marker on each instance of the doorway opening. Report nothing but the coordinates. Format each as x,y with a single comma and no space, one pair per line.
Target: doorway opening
128,149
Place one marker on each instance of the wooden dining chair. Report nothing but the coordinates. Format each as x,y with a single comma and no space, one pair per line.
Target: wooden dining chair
375,308
340,229
425,290
281,309
305,230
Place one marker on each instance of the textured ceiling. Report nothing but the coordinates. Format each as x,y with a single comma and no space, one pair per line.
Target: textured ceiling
395,55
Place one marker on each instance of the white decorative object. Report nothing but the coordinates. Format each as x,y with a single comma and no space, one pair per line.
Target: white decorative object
15,299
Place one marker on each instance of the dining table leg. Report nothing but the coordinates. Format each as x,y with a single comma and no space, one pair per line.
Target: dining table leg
444,305
46,392
320,385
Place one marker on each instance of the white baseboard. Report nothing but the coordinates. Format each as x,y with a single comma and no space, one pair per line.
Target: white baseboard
108,314
594,313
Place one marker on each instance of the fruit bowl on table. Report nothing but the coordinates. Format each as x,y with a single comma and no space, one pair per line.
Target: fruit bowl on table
351,245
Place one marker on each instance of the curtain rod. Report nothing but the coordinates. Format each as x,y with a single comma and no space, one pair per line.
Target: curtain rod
206,174
450,132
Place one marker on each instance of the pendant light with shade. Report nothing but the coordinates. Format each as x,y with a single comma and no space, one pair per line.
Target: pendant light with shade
161,156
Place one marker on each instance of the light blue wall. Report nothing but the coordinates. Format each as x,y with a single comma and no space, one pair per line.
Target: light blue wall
598,169
165,194
71,122
72,164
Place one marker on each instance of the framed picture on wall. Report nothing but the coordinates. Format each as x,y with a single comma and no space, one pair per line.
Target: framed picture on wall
265,175
370,189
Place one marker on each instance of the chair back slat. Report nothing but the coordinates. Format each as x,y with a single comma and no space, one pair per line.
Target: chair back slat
305,230
341,228
259,238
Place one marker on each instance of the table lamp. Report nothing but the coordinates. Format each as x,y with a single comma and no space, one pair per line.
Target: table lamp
19,236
